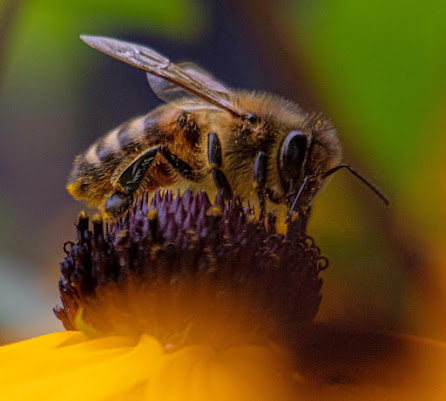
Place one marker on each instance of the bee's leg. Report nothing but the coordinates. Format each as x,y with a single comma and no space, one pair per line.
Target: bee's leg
132,176
185,170
299,220
215,160
260,181
118,203
129,181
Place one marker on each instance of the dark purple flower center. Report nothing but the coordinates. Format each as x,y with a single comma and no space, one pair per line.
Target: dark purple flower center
183,269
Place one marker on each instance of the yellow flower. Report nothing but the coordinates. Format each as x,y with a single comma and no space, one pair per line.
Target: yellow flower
181,300
71,366
187,301
336,365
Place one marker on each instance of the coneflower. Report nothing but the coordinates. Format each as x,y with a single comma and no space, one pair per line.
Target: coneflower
184,300
187,271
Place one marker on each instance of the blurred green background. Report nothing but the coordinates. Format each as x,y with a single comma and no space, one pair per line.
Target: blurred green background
377,68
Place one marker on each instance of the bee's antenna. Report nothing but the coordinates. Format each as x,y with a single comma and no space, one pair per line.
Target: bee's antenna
298,195
357,175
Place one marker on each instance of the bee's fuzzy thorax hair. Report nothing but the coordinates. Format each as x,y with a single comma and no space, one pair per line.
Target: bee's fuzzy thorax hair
185,270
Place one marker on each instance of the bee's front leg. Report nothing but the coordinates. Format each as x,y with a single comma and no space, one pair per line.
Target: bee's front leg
260,181
216,161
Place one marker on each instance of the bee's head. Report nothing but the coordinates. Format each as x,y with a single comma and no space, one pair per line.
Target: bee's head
304,157
305,161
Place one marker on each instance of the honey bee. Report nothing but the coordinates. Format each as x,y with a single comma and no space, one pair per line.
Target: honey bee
254,145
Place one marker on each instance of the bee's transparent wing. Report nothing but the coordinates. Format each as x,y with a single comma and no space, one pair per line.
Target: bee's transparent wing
169,91
193,80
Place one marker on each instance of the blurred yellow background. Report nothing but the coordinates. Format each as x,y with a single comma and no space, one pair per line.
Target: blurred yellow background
377,68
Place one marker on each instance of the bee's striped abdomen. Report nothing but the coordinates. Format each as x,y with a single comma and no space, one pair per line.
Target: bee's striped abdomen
93,171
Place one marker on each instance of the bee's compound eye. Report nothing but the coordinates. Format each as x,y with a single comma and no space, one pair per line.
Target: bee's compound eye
117,203
252,118
292,154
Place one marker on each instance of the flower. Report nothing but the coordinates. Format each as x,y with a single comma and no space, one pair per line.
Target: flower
338,365
187,271
179,299
184,300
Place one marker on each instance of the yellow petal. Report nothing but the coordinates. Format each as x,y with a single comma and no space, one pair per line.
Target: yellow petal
92,369
239,373
176,375
253,373
338,364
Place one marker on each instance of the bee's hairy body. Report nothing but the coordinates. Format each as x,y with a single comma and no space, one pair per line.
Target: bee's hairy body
256,146
183,127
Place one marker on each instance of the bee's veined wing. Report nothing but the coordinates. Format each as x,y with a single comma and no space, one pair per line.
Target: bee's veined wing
192,80
169,91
